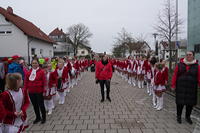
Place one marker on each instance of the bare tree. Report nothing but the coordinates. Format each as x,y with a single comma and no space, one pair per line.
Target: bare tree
78,35
122,42
166,26
125,42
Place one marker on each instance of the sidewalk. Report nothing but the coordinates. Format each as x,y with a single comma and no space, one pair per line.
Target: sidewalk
129,112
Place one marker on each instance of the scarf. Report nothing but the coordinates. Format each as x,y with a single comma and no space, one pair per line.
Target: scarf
104,62
189,63
33,74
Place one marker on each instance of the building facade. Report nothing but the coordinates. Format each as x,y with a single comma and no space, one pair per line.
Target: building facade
194,26
62,47
19,36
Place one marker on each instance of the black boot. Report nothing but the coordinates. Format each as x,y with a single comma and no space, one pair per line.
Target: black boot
188,119
102,100
43,121
179,119
109,99
36,120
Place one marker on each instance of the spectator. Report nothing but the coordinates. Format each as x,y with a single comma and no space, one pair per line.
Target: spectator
15,67
185,81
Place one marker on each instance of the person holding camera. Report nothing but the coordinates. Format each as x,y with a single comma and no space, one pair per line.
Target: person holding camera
103,76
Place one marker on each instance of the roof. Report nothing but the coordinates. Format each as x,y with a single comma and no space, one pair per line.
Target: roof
57,32
26,26
84,46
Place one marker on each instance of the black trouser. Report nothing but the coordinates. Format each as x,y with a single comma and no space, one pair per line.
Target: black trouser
2,85
179,108
107,83
37,101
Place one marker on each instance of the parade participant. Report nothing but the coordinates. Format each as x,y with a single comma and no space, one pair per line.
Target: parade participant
61,74
129,69
141,72
15,101
50,88
148,76
135,65
104,75
152,86
2,114
160,83
15,67
35,82
185,81
54,63
69,67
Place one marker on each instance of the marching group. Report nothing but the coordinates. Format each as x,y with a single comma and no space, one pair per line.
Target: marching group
154,73
44,82
142,70
48,80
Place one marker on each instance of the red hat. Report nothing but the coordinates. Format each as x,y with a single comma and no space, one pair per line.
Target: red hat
14,57
5,59
46,59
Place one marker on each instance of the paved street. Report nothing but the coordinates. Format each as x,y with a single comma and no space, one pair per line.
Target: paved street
129,112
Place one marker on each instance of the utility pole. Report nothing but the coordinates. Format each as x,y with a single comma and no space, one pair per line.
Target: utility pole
177,30
155,35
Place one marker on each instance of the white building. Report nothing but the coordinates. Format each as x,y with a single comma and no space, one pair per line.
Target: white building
62,47
21,37
83,50
144,50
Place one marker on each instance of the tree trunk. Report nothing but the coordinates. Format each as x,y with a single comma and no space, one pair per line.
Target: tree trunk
170,56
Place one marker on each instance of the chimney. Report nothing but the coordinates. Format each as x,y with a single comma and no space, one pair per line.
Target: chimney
61,30
10,10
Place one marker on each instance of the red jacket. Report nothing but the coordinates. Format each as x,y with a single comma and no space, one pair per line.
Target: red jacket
160,78
64,75
2,111
38,85
9,105
52,80
103,72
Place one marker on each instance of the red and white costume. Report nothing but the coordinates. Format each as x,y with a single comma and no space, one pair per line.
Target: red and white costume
15,101
160,81
62,82
50,91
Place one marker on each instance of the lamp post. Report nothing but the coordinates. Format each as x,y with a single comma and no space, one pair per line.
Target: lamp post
156,47
176,30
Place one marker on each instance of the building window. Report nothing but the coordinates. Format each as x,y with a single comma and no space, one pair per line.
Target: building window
50,53
82,52
5,32
32,51
197,48
41,52
167,56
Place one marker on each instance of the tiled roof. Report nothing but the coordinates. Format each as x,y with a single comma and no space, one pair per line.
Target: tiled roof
57,32
27,27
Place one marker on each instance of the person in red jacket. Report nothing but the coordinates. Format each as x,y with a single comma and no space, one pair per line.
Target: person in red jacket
35,82
104,75
15,101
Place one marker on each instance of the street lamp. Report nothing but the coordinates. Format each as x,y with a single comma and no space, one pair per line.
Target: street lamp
156,47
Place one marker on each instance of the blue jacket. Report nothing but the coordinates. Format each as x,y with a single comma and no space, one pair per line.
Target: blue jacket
16,68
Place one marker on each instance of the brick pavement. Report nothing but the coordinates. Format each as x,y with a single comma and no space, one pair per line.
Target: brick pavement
129,112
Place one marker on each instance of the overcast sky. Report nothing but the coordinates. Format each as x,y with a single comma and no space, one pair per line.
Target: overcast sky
105,18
